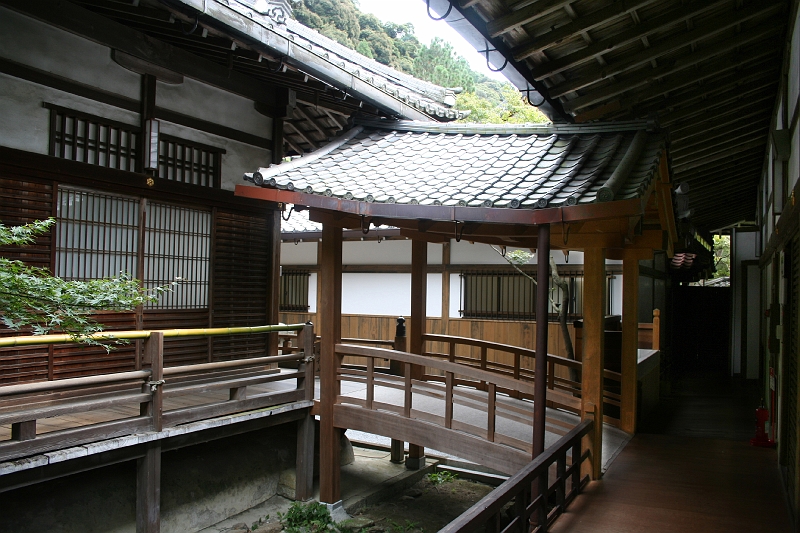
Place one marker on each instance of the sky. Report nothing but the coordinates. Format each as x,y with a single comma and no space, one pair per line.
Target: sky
425,28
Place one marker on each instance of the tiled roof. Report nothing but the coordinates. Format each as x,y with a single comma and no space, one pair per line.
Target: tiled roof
477,166
270,27
298,223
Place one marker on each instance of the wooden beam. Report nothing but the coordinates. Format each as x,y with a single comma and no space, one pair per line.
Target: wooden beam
630,343
274,281
672,18
329,318
648,77
581,24
302,135
446,288
710,158
148,490
515,19
594,310
326,133
277,141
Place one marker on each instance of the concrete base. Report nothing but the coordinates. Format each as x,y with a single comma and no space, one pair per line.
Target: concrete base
337,511
415,463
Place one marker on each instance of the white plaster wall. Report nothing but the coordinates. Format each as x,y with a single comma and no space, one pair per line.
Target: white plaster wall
616,295
25,124
312,293
302,253
385,253
455,295
385,294
28,41
192,98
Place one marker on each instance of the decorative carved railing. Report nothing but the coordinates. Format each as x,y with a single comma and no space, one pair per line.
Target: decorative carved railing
129,402
537,500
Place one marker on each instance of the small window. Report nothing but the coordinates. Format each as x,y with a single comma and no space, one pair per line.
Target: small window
94,140
512,296
294,291
189,162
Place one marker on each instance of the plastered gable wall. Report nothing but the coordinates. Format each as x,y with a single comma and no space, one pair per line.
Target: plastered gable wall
24,123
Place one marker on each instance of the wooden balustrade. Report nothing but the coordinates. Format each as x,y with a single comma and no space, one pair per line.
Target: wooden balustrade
113,405
560,370
537,500
369,412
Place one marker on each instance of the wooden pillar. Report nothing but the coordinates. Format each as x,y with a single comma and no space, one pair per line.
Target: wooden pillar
329,316
630,341
594,306
148,490
445,289
419,288
304,464
542,299
273,302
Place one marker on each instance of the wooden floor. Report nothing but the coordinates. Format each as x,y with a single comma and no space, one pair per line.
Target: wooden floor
694,472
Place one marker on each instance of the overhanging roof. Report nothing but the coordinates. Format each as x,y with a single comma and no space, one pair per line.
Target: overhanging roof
707,71
492,182
468,166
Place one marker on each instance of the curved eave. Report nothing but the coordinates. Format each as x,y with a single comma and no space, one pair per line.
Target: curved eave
488,215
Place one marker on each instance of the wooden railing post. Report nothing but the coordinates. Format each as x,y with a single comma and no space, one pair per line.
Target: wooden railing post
656,329
594,308
398,454
148,489
154,354
304,464
630,342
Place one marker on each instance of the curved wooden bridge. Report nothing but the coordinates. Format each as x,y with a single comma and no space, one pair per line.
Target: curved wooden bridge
477,408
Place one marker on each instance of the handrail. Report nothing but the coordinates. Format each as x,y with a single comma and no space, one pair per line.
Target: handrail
22,405
28,340
489,507
435,337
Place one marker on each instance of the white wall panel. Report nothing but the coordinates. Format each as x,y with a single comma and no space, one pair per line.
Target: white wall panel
376,294
302,253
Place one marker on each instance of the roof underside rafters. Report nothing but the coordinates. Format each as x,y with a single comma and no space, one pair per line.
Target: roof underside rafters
707,71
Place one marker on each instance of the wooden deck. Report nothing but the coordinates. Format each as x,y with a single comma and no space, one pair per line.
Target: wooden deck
683,478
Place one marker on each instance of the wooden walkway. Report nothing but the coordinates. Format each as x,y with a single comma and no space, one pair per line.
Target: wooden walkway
684,479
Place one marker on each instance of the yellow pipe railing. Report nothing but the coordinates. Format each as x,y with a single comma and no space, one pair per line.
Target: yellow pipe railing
29,340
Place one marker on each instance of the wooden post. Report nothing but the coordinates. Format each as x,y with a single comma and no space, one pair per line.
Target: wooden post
540,382
656,329
445,289
304,464
630,342
154,355
23,430
594,306
148,490
329,317
396,367
274,294
419,264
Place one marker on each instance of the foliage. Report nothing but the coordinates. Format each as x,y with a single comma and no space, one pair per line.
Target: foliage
32,297
395,45
311,517
442,476
722,255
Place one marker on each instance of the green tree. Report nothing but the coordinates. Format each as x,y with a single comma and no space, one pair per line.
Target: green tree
722,255
395,45
32,297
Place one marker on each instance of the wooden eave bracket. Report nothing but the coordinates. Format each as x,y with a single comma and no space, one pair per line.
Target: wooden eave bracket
666,211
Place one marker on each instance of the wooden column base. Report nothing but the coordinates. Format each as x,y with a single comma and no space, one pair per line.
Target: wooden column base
304,465
148,490
416,457
398,451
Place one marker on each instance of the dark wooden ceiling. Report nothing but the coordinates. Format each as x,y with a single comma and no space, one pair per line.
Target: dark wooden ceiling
706,70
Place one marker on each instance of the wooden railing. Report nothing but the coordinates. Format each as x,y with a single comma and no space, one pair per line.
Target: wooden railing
372,411
537,500
563,375
114,405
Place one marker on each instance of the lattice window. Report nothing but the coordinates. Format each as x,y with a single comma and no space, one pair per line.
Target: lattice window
98,236
189,162
177,245
294,291
91,139
512,296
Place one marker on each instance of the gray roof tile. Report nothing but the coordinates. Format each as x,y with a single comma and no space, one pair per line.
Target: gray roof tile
432,164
